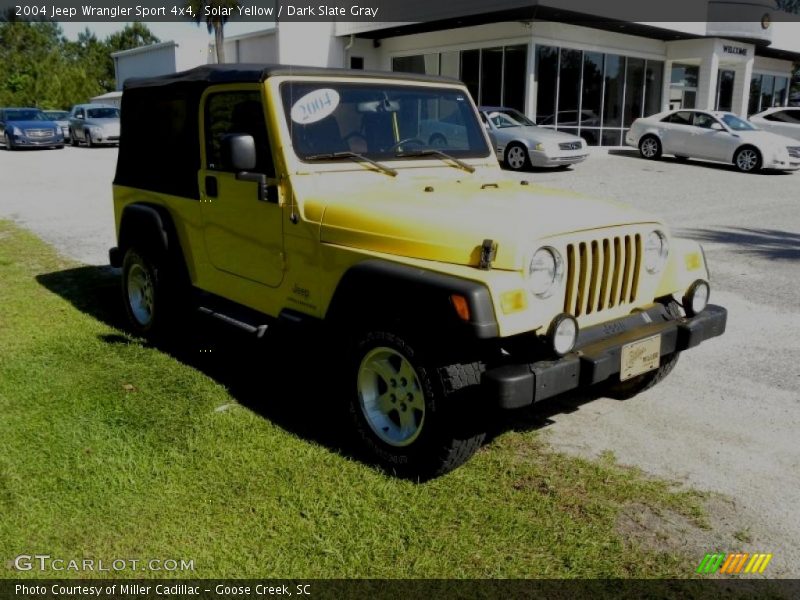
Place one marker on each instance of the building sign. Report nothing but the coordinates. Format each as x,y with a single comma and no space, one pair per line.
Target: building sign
737,50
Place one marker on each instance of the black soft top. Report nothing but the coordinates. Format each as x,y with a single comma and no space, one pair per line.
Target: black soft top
160,139
257,73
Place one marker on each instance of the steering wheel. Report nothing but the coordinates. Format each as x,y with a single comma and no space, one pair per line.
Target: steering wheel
410,140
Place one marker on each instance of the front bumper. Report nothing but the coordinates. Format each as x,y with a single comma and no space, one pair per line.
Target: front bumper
543,159
598,356
23,141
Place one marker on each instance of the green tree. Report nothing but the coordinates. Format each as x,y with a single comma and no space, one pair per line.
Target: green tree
214,24
40,67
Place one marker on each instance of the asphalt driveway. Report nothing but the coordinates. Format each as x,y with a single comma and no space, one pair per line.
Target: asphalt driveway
727,420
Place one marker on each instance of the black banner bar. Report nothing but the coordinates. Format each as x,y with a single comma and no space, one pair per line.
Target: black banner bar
407,11
316,589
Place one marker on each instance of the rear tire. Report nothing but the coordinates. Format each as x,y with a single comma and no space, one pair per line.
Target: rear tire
650,147
417,416
154,292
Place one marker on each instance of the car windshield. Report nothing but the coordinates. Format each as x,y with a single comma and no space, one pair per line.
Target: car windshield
102,113
380,121
56,115
508,117
25,114
737,124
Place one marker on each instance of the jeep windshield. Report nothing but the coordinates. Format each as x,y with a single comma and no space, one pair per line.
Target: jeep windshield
381,122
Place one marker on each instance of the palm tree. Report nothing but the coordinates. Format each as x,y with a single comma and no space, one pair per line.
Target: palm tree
215,22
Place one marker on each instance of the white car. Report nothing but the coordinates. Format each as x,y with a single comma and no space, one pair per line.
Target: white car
783,120
717,136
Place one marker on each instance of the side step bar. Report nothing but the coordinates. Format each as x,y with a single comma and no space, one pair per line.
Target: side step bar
257,330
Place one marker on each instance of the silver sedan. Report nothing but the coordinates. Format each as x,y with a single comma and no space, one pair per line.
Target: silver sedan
521,144
94,124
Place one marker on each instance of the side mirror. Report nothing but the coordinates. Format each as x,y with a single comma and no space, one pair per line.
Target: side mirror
239,152
239,155
79,116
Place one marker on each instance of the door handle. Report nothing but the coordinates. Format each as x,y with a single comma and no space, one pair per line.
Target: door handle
211,186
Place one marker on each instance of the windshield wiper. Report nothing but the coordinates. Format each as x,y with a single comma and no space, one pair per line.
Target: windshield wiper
353,156
432,152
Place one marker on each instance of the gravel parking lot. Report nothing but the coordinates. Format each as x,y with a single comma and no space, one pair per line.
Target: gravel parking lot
727,419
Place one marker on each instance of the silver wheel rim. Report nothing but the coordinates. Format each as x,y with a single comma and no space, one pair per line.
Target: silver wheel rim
516,157
649,148
747,160
391,397
140,294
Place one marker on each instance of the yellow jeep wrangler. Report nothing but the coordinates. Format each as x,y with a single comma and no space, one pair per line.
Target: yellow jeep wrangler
372,203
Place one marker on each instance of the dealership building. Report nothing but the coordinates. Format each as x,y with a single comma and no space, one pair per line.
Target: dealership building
587,74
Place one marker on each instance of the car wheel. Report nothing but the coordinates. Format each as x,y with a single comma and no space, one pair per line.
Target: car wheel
9,144
437,140
623,390
88,139
517,157
415,416
154,292
650,147
747,159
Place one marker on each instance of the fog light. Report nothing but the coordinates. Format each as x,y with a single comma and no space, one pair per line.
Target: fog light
696,298
563,334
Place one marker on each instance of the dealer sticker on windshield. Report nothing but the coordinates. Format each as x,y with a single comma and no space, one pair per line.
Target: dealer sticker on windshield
315,106
640,357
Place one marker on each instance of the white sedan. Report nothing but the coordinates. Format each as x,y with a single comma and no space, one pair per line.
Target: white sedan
717,136
783,120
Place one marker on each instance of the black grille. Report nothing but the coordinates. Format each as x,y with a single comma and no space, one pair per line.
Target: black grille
570,145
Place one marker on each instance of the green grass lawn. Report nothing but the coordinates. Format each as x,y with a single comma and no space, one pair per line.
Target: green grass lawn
229,454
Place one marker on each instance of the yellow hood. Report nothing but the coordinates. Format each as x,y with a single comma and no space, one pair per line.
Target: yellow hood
449,223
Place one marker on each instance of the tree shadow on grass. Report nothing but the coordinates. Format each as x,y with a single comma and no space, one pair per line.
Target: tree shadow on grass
763,243
286,377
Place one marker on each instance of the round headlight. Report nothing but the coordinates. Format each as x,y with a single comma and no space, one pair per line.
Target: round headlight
656,250
545,271
563,334
696,298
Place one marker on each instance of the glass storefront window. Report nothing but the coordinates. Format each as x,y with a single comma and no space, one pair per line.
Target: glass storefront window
615,88
654,79
491,76
634,90
546,84
471,72
725,81
767,88
779,96
755,95
569,88
515,76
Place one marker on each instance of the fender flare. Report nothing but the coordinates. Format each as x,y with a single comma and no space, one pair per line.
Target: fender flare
378,289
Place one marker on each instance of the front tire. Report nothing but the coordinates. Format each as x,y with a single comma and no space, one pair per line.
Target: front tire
88,137
73,141
9,144
516,157
747,160
415,415
650,147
